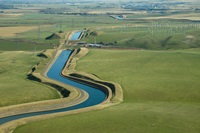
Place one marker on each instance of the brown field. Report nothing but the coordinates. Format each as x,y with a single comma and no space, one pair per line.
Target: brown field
190,16
11,15
11,31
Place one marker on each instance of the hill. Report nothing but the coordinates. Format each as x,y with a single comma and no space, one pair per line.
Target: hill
53,36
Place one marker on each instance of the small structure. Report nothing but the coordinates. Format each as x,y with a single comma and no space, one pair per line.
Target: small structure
120,17
95,45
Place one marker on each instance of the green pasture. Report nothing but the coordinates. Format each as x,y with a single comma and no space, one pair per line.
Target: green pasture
161,94
137,33
68,22
15,88
40,34
154,35
47,24
161,88
17,45
143,15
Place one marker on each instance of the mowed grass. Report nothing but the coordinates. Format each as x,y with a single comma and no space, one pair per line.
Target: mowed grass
161,94
15,88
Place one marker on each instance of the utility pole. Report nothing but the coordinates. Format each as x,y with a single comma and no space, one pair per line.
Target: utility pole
85,20
94,19
35,48
39,32
72,23
60,25
95,41
17,41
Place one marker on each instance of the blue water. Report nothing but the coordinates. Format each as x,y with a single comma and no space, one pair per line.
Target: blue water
96,96
119,18
76,36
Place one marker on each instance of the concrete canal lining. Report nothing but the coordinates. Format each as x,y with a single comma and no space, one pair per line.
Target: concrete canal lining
96,96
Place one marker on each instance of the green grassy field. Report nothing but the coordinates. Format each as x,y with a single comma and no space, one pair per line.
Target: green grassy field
159,35
161,88
7,45
138,33
161,94
33,40
15,88
46,25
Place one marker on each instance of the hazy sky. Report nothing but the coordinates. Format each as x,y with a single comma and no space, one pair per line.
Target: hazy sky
53,1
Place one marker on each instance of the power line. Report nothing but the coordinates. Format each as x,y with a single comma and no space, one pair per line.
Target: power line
60,24
39,32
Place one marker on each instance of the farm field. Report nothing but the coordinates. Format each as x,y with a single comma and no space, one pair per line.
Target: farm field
185,15
160,35
15,88
11,31
34,28
144,30
16,45
153,53
161,94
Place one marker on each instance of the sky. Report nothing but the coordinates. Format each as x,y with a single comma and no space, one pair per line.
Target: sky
99,0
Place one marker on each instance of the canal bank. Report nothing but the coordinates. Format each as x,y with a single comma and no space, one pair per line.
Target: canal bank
54,73
88,105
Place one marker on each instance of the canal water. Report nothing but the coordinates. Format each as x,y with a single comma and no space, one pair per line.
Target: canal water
96,96
76,36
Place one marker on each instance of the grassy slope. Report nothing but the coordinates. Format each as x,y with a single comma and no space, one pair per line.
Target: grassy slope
14,87
161,94
139,38
6,45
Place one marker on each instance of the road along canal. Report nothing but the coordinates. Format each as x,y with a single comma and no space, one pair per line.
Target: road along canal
96,96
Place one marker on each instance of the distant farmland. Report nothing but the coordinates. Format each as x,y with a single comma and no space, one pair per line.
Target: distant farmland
12,31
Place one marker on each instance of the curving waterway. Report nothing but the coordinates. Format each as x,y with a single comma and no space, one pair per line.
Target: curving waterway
96,96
